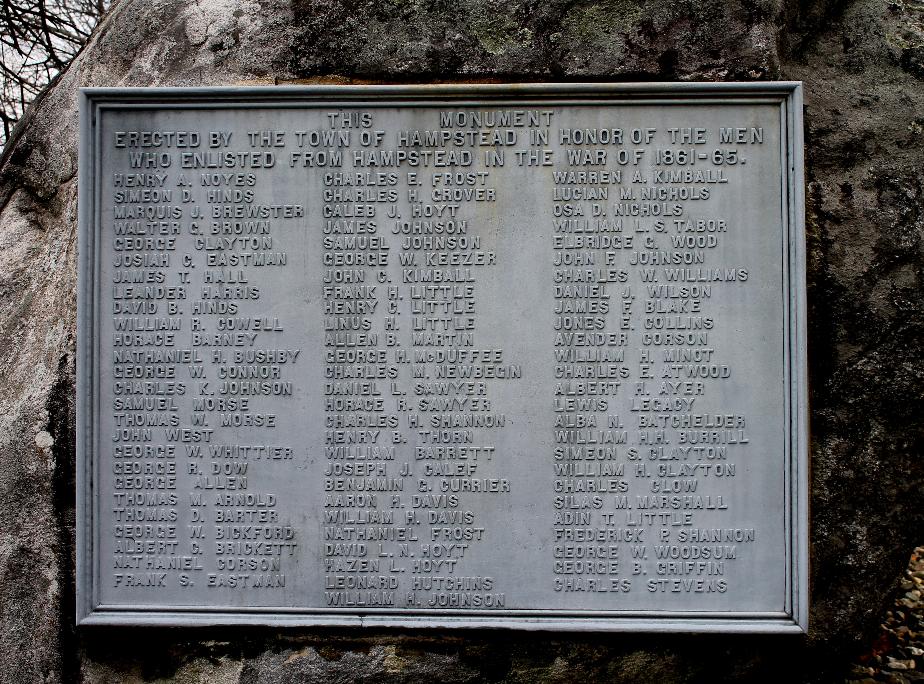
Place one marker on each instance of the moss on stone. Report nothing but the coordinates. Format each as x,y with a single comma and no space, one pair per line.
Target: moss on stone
498,34
598,24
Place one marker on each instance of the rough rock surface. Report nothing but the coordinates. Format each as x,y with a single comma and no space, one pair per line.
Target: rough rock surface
863,66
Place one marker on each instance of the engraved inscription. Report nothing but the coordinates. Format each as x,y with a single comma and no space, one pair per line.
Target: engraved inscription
457,359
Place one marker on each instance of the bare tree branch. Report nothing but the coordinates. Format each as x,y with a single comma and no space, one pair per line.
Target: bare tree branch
38,38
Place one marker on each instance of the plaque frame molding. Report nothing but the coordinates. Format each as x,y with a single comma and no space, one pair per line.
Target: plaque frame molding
787,94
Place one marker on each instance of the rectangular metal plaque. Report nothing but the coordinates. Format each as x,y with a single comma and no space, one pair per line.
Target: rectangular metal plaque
520,356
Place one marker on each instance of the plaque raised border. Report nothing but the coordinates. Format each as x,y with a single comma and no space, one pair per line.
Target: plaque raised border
788,96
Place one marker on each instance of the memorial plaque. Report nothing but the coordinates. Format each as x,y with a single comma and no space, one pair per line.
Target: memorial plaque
480,356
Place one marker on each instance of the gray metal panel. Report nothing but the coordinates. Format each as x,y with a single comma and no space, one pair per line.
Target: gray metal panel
769,591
